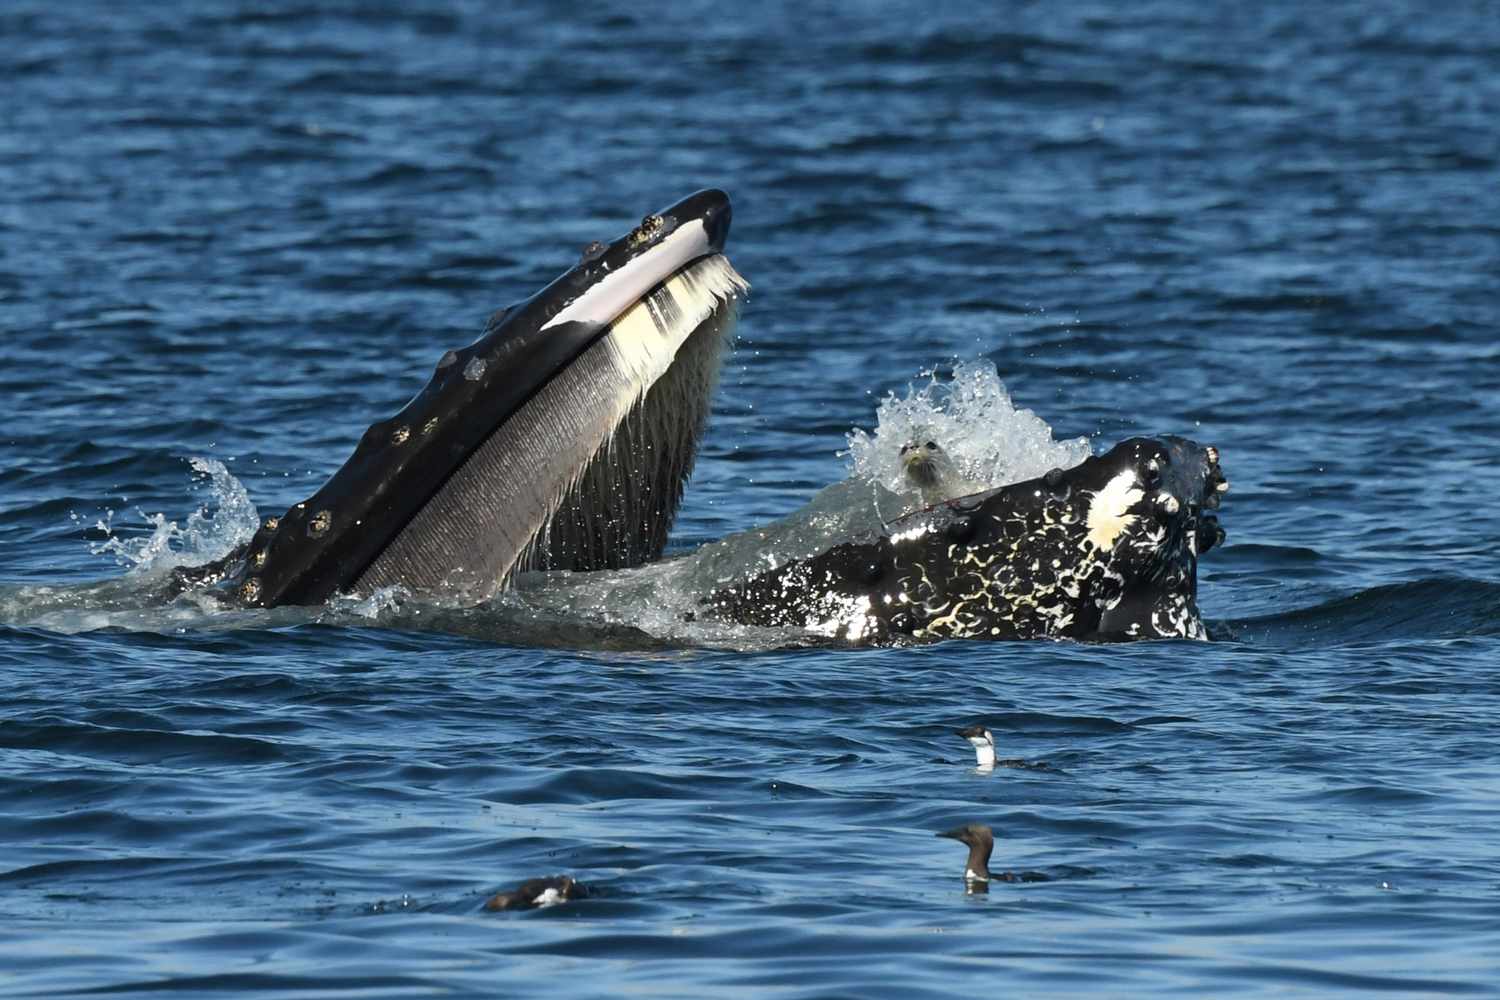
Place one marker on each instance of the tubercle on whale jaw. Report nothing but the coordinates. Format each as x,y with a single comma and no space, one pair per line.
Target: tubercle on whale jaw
650,228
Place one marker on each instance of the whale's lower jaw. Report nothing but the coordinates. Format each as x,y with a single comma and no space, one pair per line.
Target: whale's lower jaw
588,473
1107,550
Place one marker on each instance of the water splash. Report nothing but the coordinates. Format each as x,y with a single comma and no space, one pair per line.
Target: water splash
971,415
210,532
138,600
382,602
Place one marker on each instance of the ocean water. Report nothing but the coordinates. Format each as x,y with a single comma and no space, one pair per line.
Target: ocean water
232,234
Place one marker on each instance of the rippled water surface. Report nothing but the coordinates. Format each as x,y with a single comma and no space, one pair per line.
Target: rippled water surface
237,233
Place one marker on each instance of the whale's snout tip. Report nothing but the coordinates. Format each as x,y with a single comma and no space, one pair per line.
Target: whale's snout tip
717,216
710,208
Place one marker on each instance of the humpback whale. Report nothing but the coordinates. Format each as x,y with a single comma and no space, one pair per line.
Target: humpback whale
1106,550
563,436
560,439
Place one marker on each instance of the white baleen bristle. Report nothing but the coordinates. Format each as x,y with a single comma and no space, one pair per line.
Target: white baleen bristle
645,338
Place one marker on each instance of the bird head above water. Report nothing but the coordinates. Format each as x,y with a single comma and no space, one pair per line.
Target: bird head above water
983,742
981,842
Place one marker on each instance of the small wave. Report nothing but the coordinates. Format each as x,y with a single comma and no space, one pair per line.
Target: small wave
1287,303
1431,608
1369,795
66,737
595,784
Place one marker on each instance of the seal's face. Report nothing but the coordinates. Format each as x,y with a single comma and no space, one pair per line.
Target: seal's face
1105,550
924,462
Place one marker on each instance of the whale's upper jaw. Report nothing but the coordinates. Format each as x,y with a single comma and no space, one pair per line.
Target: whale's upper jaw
621,351
609,278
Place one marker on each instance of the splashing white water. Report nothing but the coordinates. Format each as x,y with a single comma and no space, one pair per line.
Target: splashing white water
971,416
382,601
210,532
136,601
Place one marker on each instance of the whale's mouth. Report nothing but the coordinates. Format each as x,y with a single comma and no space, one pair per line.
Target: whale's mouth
561,438
590,469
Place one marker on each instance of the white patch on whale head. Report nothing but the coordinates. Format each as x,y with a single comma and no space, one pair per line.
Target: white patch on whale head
1108,510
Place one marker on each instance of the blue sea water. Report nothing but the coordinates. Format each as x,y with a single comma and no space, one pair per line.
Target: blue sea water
238,232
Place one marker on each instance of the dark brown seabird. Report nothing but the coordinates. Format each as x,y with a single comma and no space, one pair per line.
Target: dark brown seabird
981,841
536,893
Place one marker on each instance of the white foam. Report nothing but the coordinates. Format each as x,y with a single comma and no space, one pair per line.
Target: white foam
972,417
208,533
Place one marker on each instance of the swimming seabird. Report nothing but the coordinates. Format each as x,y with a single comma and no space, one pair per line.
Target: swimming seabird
537,892
983,742
981,841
